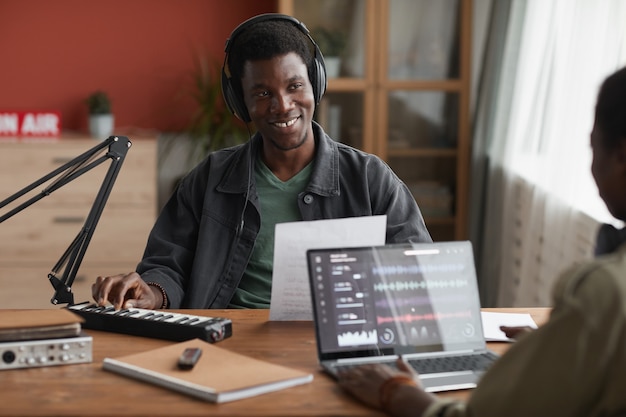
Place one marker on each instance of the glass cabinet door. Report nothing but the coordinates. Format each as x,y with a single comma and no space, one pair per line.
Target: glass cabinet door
421,119
339,29
341,116
420,103
423,42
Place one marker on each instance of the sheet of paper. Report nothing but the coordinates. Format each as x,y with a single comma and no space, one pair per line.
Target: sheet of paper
291,294
493,320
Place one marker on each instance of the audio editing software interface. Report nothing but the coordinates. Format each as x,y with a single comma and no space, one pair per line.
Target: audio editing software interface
392,297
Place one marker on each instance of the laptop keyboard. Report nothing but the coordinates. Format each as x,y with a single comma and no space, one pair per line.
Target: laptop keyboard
473,362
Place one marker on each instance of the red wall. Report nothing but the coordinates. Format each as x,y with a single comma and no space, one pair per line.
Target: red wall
54,53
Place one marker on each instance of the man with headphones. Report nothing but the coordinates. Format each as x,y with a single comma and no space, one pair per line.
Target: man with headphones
212,245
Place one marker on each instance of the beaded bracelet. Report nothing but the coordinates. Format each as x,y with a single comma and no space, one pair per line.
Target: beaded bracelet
163,293
387,388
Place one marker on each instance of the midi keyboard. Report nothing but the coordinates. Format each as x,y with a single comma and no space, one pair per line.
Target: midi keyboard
153,323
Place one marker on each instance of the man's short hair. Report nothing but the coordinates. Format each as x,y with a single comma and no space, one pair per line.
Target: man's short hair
266,40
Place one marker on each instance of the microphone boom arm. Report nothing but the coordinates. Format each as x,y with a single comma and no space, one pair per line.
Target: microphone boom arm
73,256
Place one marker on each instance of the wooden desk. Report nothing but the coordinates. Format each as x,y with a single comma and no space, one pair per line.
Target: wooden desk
87,390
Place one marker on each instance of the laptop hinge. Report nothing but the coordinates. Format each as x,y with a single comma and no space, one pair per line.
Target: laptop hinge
362,360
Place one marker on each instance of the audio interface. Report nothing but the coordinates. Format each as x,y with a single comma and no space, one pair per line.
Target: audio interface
46,352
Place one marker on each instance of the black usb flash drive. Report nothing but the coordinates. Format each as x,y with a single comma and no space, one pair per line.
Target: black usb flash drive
189,357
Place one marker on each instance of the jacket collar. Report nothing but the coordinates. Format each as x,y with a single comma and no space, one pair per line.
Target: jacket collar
325,176
609,239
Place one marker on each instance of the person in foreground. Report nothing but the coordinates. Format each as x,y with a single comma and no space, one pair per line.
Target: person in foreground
574,364
212,245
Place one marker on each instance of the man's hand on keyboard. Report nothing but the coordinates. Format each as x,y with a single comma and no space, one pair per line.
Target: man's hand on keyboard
126,291
396,391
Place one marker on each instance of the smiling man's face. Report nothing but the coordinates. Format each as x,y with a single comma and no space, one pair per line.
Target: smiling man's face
280,101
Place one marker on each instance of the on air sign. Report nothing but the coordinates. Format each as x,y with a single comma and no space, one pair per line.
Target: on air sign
30,123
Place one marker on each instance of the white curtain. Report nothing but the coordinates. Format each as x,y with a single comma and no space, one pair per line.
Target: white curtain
541,208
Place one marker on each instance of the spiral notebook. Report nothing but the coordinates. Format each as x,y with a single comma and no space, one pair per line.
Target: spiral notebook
372,304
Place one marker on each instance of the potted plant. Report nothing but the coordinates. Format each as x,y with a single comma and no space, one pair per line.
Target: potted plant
212,125
332,43
101,119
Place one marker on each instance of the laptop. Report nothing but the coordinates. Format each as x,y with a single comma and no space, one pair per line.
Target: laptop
420,301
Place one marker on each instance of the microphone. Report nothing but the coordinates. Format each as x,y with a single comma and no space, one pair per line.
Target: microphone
73,256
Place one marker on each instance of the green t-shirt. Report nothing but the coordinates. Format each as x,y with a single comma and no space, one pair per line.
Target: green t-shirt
279,204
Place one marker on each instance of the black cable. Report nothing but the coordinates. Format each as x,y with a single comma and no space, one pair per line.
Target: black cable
246,196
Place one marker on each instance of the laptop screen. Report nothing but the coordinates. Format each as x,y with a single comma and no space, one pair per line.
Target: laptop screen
395,299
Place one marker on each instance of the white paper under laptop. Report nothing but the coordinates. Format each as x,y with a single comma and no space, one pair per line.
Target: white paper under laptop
291,297
372,304
492,321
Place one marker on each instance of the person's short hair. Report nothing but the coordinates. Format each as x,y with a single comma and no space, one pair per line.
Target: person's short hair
610,113
265,40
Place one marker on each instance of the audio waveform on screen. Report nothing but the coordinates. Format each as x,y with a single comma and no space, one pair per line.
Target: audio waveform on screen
417,285
410,318
418,300
417,269
357,338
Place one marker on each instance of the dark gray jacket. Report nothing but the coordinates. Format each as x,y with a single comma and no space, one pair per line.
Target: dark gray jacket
202,240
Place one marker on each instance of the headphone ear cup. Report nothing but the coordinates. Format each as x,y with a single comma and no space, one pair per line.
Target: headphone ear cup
320,82
234,100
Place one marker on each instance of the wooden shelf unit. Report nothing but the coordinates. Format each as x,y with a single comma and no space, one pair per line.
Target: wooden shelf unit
363,100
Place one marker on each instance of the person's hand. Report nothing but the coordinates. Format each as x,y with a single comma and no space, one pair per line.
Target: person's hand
125,291
366,382
515,332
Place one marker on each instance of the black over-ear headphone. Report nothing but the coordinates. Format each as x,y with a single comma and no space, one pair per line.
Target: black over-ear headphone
234,97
